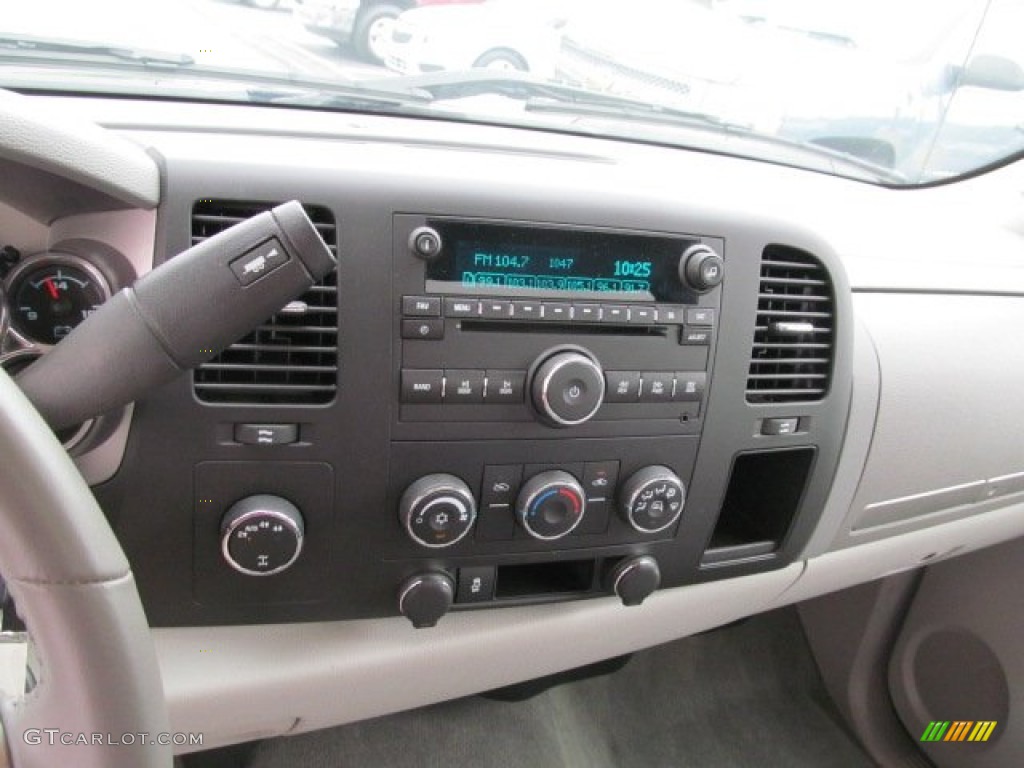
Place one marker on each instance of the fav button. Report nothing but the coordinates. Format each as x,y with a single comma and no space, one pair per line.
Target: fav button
421,306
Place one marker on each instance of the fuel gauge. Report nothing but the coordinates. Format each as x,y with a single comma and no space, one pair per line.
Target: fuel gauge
52,293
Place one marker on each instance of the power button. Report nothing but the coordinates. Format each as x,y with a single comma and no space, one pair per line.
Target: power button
425,242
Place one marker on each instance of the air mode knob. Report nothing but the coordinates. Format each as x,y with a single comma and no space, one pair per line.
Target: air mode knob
701,268
567,388
261,535
550,505
437,510
652,499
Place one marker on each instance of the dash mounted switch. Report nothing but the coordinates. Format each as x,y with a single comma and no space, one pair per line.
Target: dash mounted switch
179,315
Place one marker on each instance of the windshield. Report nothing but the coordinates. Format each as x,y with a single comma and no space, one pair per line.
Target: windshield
898,92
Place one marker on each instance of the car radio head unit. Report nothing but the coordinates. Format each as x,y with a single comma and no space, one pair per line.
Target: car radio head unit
491,259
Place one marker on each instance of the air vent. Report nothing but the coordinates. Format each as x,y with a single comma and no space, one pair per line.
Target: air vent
795,331
292,358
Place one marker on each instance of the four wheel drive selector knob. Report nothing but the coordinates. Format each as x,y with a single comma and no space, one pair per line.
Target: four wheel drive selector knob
261,535
567,387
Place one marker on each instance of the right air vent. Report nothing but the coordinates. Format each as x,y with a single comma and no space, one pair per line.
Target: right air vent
795,330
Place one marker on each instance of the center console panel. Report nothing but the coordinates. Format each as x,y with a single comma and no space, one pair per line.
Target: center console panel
495,410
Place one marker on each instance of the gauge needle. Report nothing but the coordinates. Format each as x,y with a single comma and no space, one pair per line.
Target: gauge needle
51,288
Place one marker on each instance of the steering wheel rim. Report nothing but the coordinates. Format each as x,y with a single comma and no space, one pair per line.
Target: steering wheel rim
98,677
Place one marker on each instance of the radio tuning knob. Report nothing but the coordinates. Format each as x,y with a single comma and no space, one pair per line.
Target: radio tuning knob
567,388
701,268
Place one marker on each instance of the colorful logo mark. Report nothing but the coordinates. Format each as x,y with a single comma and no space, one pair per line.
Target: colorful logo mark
959,730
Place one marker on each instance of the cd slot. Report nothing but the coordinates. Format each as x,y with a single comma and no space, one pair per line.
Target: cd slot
564,328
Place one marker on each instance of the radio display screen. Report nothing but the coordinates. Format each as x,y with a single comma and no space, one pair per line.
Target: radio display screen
500,260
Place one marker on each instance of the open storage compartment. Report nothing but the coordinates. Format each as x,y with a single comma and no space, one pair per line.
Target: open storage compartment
764,493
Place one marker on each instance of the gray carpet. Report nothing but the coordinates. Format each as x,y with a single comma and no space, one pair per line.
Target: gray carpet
743,695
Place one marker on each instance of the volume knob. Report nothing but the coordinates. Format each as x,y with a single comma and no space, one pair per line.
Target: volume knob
567,388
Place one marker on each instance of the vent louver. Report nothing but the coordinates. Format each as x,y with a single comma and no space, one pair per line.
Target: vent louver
794,334
292,358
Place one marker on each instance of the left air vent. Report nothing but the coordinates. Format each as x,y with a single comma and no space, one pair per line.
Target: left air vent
292,358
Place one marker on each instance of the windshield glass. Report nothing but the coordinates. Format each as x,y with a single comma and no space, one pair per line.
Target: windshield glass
899,92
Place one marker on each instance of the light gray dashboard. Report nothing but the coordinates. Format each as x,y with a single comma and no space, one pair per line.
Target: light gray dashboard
929,462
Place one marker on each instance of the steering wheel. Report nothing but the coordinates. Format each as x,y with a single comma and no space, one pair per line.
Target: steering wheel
98,701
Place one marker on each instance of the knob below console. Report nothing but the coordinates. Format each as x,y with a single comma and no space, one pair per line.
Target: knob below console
567,388
652,499
634,579
437,510
425,598
550,505
261,535
701,268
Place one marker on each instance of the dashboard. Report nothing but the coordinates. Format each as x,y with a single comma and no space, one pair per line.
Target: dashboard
556,389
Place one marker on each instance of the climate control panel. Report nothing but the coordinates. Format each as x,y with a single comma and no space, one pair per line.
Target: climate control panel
439,510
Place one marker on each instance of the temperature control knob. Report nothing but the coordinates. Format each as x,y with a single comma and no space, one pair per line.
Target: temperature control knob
701,268
550,505
652,499
437,510
261,535
567,388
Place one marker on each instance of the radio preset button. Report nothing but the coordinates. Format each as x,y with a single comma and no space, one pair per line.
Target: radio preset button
462,307
670,315
504,387
527,310
699,337
463,386
422,386
557,312
615,313
700,316
424,328
622,386
656,387
495,309
421,306
689,386
587,313
642,315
